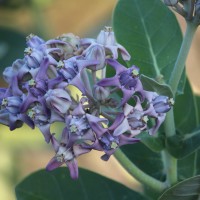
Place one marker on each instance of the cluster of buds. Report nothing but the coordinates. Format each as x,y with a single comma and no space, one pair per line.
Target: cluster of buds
189,9
41,91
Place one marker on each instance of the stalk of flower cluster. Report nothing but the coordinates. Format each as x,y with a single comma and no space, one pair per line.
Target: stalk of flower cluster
170,163
182,56
138,174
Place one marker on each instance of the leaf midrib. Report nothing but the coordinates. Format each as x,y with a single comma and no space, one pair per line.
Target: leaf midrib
155,63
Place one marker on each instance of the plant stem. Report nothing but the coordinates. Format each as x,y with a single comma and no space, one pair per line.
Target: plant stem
170,163
182,56
138,174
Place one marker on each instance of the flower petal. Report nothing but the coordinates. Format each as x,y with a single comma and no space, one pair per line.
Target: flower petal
53,164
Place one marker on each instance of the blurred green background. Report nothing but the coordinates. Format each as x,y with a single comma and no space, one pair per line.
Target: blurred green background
24,150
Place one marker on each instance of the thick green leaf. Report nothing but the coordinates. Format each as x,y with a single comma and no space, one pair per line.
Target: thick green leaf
58,185
186,112
151,34
12,46
187,119
182,145
152,85
155,143
187,167
186,190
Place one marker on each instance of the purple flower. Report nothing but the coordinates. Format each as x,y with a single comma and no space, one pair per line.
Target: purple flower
157,107
12,71
33,41
81,126
125,79
70,71
106,39
63,47
96,52
43,118
10,112
58,99
66,154
33,57
133,120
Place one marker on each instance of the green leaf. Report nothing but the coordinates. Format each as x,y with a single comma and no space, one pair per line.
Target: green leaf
152,85
186,112
188,189
12,44
54,185
183,145
151,34
187,122
187,166
155,143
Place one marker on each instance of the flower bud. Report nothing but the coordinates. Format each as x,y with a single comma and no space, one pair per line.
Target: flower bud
9,72
38,115
106,37
59,100
100,93
71,39
170,2
12,104
34,41
33,57
162,104
96,52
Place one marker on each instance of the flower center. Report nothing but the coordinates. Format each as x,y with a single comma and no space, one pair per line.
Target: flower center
32,82
73,128
28,51
31,113
4,102
60,64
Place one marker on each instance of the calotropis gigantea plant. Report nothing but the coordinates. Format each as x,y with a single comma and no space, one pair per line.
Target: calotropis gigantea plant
132,90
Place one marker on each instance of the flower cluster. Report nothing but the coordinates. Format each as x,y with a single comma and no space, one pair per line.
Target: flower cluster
42,90
190,10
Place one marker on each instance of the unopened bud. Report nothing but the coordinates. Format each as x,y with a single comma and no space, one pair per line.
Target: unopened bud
96,52
70,38
106,37
101,93
162,104
59,100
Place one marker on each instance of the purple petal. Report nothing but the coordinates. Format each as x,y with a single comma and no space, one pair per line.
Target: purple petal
123,140
125,55
73,168
159,121
94,124
122,128
78,150
117,66
54,143
117,121
45,129
53,164
109,82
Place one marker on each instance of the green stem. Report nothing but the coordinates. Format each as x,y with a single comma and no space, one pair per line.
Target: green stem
138,174
182,56
170,163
